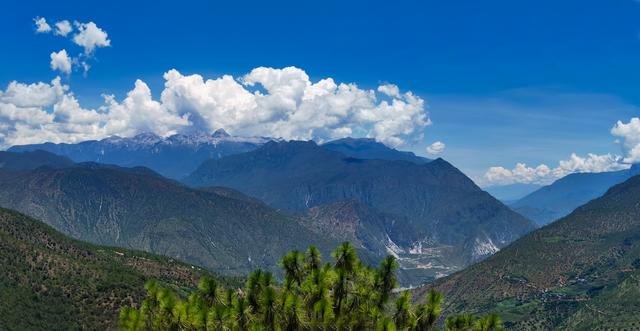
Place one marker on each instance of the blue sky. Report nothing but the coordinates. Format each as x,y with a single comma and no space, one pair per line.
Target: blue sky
504,81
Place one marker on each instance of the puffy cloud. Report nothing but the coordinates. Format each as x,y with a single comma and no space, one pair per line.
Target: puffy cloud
61,61
63,28
138,113
436,148
629,133
285,103
543,174
390,90
35,95
41,25
520,174
282,103
45,112
90,36
591,163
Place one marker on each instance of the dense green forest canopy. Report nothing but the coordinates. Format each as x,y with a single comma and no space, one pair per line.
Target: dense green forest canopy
343,295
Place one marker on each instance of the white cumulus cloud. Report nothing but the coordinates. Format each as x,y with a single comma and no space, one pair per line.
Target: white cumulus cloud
291,106
629,134
35,95
436,148
282,103
39,112
63,28
543,174
90,36
41,25
138,112
61,61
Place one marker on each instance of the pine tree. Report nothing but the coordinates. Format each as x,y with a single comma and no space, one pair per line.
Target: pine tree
427,314
346,295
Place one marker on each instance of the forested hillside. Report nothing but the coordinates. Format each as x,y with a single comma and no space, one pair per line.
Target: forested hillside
51,282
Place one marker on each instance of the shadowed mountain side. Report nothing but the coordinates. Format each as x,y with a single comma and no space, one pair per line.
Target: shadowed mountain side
136,208
441,206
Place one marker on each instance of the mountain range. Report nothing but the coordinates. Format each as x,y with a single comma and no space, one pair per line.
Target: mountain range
558,199
51,282
179,155
174,157
259,198
424,211
434,218
581,272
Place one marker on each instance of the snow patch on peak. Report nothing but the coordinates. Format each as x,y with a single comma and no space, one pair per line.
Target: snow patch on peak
195,138
146,138
113,139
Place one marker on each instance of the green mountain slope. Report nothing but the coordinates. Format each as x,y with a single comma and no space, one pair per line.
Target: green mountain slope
51,282
138,209
581,272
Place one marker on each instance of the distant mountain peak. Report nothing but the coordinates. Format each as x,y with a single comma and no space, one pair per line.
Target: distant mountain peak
220,133
147,138
174,156
442,163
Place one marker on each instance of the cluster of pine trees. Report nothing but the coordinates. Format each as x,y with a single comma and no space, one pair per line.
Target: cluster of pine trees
345,295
